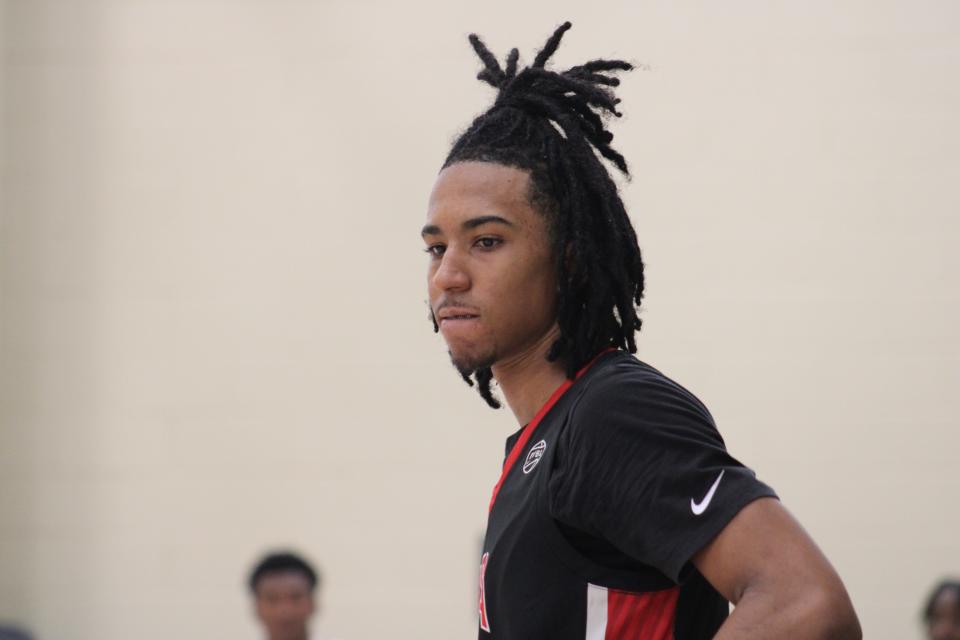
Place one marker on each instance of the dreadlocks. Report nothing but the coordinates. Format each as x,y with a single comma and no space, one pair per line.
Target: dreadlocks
551,124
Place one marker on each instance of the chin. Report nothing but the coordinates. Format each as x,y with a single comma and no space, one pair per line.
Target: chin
466,362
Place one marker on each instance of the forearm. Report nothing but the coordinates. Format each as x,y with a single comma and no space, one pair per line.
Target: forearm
763,614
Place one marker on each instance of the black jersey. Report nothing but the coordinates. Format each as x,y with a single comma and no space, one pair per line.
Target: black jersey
606,495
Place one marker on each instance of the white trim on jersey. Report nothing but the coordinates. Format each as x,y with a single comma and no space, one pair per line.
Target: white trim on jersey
596,612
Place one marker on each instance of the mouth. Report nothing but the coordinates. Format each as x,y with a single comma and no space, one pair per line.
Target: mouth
453,315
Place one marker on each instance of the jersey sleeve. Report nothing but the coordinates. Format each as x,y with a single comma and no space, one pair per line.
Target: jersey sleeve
642,465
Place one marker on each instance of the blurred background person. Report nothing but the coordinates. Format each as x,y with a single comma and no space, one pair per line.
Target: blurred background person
942,611
284,588
13,633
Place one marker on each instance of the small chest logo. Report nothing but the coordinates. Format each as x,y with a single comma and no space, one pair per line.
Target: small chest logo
536,452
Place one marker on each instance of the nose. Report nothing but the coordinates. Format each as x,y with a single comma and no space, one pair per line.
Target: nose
450,274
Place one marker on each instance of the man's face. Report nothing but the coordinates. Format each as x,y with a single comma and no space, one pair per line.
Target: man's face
284,604
944,624
491,278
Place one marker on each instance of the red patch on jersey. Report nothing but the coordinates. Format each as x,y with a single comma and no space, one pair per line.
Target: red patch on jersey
641,616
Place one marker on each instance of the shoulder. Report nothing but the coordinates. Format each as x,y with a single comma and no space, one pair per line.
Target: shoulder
622,388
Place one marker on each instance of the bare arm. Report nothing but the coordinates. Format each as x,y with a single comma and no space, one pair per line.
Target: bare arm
781,583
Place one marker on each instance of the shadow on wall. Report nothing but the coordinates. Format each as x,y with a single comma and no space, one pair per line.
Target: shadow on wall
33,436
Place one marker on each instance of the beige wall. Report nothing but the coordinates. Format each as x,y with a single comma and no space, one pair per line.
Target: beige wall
213,334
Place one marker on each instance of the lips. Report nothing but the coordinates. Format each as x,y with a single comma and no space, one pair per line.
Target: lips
448,314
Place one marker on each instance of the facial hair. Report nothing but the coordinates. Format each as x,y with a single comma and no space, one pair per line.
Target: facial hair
467,366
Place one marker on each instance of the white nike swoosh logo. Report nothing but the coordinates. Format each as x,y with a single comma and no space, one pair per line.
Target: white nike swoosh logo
700,508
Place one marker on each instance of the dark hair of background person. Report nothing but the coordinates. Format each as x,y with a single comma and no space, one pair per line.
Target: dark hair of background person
283,562
552,124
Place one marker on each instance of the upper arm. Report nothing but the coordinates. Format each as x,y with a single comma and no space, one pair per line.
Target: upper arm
764,547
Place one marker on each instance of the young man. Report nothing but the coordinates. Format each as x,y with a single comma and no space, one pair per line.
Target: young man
619,513
284,589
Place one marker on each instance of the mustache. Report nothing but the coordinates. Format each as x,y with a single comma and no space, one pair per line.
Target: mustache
452,302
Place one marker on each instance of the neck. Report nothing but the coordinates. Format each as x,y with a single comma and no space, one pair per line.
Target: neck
527,379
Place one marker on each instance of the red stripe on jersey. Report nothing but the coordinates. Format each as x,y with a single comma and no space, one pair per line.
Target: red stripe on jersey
484,619
528,430
641,616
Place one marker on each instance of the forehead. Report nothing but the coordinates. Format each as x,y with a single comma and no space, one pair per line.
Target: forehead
479,188
283,582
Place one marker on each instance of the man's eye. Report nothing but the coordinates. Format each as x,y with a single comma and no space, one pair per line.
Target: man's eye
488,243
435,250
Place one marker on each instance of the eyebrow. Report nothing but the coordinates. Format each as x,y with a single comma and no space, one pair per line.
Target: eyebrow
472,223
